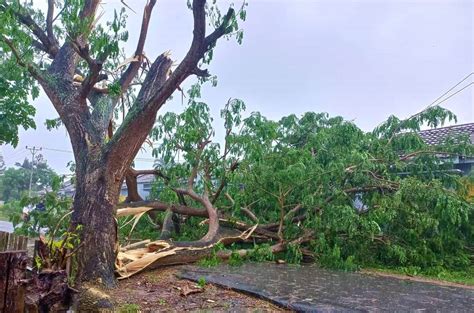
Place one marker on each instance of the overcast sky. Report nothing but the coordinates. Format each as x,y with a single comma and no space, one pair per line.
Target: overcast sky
363,60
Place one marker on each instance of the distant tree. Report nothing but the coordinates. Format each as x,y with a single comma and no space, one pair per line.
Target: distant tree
18,179
2,164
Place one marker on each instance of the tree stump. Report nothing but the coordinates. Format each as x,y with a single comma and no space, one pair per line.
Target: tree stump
12,277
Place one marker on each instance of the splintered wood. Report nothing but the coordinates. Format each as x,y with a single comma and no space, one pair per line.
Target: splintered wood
136,257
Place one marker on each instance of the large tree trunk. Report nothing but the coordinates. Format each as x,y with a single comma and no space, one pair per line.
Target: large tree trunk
94,209
86,111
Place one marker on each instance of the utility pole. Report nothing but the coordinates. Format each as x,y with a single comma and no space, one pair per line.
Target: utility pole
33,151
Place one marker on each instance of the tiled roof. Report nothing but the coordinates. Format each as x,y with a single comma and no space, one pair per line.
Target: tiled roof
438,135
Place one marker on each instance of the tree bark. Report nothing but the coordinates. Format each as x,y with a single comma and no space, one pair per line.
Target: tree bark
94,211
132,186
168,225
86,114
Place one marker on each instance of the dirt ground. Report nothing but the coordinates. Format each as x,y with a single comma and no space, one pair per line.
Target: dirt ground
162,291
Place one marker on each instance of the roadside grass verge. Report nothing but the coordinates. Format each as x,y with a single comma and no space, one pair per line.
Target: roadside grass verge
458,277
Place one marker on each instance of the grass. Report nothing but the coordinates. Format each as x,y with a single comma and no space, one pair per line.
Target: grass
129,308
201,282
459,277
209,261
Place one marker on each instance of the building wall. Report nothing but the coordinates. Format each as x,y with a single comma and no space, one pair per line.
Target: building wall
466,165
144,189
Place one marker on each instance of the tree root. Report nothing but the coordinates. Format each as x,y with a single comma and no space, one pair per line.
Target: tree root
48,291
93,299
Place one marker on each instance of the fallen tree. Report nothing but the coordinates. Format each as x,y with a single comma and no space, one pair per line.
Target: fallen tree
311,184
159,253
315,186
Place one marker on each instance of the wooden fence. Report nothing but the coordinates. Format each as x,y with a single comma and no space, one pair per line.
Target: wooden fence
13,261
12,242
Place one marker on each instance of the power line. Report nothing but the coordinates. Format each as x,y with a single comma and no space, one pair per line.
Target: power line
468,85
57,150
459,83
69,151
450,96
14,155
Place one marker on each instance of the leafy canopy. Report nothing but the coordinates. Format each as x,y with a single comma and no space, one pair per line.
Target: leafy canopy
377,198
32,36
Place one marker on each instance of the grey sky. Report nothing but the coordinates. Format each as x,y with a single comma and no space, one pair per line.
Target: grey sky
363,60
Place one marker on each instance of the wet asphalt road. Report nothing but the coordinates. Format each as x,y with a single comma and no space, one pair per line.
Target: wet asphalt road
308,288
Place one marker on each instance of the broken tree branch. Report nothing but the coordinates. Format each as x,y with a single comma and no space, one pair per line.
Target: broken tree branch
416,153
49,26
160,253
250,214
157,88
65,60
220,31
132,70
125,209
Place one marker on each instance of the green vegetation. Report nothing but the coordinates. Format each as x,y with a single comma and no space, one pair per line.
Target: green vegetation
201,282
261,253
212,260
293,254
319,185
332,259
129,308
465,277
235,259
382,197
54,217
209,261
3,214
15,182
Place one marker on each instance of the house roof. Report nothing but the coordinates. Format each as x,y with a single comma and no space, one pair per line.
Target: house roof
69,187
437,135
148,178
